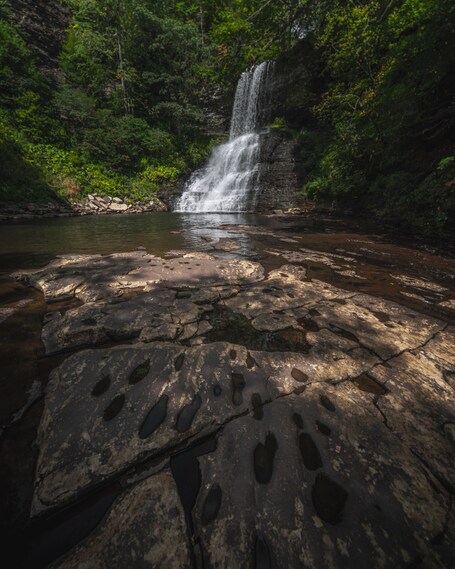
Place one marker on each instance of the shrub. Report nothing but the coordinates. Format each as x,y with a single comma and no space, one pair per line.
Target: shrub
153,179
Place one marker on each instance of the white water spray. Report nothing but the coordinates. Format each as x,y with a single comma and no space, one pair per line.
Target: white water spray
229,181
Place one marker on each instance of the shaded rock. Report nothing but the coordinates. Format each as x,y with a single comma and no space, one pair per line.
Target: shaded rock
152,316
145,528
5,313
418,403
272,322
280,172
405,329
364,480
73,435
162,332
93,278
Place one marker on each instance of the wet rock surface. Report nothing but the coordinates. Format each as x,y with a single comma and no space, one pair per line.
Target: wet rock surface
306,424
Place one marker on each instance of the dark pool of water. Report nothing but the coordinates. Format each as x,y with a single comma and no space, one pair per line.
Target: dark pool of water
33,243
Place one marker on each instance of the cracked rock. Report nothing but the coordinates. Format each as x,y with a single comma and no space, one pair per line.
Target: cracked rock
92,278
321,479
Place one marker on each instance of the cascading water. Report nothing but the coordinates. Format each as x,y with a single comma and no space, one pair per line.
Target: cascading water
229,181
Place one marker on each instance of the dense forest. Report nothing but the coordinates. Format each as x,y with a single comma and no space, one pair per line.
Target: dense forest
134,103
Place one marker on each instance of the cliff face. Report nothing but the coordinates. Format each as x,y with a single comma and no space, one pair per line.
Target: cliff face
294,87
290,96
44,24
281,172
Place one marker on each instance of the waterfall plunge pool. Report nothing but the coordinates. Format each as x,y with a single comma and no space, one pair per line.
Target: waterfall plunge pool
33,243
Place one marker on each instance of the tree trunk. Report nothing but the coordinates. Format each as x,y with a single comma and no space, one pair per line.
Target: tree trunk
126,101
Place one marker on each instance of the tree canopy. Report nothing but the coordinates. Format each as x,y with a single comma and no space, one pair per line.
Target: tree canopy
137,78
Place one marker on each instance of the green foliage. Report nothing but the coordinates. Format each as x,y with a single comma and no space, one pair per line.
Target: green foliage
445,163
279,123
65,169
20,179
152,180
373,108
386,108
17,70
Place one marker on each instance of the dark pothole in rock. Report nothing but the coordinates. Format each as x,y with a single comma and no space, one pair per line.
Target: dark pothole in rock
298,421
329,499
101,386
114,408
323,429
178,364
187,414
299,376
256,403
262,557
366,383
187,475
139,373
309,451
238,385
325,402
154,417
264,456
212,504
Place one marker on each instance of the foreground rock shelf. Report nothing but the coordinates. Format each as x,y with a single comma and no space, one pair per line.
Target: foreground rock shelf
328,416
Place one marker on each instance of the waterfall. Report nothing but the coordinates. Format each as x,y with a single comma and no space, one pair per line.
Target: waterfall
229,181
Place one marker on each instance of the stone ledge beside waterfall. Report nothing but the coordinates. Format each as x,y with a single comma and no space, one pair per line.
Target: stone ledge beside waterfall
280,172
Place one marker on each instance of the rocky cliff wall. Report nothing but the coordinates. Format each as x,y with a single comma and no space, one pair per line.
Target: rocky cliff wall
290,96
44,24
294,86
280,172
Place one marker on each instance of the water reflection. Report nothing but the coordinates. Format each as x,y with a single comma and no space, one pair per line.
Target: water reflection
33,243
201,230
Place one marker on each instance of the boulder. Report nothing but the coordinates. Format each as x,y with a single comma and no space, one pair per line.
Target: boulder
118,206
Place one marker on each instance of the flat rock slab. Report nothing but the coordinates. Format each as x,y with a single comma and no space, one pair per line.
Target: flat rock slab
91,278
160,314
284,300
108,409
323,483
332,411
145,528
